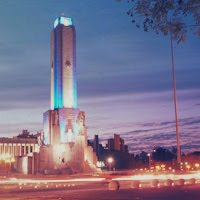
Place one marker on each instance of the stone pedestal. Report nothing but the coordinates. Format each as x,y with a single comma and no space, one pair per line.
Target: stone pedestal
65,136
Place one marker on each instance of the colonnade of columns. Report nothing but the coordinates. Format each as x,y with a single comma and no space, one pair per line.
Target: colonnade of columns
17,149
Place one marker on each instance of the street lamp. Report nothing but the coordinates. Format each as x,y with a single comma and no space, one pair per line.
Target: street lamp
175,102
175,95
149,155
110,161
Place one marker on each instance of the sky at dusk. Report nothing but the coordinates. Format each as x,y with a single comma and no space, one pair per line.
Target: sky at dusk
123,73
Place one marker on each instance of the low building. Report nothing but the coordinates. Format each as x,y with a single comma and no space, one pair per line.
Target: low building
17,152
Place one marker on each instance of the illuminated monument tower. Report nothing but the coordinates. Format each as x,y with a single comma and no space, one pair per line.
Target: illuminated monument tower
63,64
65,135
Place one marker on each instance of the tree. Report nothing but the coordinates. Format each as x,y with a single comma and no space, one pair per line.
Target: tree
177,16
162,154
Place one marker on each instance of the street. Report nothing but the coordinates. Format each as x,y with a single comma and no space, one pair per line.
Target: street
97,191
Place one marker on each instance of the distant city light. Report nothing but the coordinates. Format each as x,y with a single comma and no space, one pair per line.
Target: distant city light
196,165
100,164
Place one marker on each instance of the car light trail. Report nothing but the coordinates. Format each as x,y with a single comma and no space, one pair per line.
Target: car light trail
23,181
159,176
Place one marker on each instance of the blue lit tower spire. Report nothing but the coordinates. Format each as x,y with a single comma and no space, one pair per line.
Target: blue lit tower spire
63,64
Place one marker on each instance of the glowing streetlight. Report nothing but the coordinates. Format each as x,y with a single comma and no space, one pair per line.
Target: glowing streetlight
197,165
188,167
110,161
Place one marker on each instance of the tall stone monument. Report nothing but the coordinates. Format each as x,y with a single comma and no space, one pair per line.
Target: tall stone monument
65,134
